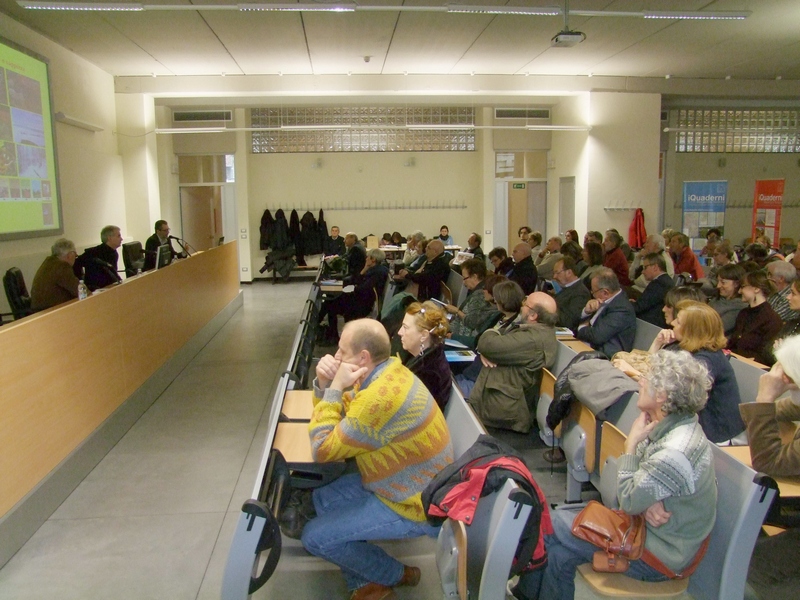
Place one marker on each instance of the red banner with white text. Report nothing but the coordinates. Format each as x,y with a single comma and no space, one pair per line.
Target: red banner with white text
767,204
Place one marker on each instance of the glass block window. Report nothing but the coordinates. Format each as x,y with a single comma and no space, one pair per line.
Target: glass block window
737,131
363,129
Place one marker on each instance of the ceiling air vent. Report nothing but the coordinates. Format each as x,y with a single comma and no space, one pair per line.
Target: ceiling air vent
522,113
202,116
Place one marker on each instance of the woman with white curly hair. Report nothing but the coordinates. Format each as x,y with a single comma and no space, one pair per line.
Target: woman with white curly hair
666,474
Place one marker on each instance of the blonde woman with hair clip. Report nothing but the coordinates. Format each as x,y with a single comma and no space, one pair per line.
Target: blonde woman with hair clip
422,333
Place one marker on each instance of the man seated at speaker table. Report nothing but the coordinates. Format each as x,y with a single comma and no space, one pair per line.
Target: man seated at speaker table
506,390
54,282
97,266
369,407
650,305
334,243
160,238
608,319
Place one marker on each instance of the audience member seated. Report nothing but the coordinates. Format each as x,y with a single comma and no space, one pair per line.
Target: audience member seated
723,255
474,310
608,321
397,239
97,266
431,275
758,253
535,242
653,244
768,452
685,260
547,258
445,237
390,424
386,240
757,325
159,238
355,255
508,298
650,305
593,257
765,241
474,248
570,235
593,236
523,233
623,245
334,244
524,271
795,260
412,247
713,238
782,275
501,261
677,295
422,333
697,328
728,304
54,282
614,257
792,327
575,252
507,388
369,283
573,295
421,258
666,474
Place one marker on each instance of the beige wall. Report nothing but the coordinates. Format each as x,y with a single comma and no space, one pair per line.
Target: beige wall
741,172
90,168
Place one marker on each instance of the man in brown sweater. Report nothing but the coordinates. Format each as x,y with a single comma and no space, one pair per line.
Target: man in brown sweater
55,282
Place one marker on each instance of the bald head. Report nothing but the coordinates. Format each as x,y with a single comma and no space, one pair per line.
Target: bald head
367,335
434,249
541,308
520,252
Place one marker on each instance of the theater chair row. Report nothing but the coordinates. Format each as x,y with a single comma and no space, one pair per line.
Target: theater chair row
592,443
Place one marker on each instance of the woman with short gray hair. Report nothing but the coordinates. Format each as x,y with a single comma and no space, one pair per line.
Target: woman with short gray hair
666,474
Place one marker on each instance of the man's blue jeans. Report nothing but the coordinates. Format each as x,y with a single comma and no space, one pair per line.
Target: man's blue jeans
564,553
348,516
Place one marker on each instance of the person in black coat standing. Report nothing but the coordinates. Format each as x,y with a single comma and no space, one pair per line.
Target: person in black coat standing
649,306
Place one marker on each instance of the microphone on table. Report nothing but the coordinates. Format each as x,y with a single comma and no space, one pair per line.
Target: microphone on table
180,243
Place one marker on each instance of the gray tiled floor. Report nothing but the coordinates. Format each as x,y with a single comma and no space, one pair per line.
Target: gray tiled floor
155,518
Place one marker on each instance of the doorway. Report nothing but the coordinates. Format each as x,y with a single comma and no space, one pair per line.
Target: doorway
201,215
527,205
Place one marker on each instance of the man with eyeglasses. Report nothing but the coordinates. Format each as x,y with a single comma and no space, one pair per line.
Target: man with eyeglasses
54,282
471,316
573,295
649,307
504,394
159,238
608,321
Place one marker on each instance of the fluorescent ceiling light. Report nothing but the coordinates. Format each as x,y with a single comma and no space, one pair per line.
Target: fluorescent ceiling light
442,126
191,130
504,10
698,15
66,119
344,7
558,127
84,6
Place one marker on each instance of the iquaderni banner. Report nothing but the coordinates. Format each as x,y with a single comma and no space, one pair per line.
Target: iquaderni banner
704,205
767,205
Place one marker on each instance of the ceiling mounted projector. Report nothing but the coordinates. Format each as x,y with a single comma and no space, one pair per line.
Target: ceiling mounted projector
567,39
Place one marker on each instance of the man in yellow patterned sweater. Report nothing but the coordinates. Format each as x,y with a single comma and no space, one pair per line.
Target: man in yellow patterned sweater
368,406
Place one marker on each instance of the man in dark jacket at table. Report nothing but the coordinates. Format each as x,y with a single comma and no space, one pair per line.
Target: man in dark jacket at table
356,254
649,306
608,321
97,266
573,295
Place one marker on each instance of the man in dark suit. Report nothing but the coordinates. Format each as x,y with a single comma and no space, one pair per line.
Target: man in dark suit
573,295
356,255
358,302
608,321
159,238
524,271
432,274
649,306
97,266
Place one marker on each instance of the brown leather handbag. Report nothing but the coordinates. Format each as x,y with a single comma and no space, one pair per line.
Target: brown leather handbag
619,536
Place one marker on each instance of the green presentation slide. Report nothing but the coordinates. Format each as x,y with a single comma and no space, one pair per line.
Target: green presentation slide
29,202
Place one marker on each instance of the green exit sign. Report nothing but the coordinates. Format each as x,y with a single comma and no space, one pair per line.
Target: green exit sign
518,186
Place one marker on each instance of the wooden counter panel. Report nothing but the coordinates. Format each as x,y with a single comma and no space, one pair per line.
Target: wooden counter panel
65,370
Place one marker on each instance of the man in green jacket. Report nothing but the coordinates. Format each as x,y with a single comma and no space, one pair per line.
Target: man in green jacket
507,387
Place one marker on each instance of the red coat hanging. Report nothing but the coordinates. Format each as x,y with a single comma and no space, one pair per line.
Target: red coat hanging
637,234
